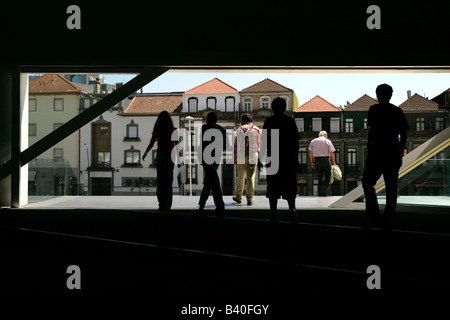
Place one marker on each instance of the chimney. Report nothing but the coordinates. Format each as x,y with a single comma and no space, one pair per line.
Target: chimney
409,93
118,85
97,85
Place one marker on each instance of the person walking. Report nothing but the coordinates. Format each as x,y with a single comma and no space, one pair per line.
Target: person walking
210,162
246,152
166,136
283,183
386,147
321,149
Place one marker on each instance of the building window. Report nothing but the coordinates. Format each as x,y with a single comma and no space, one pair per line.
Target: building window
439,124
104,159
229,104
265,102
300,124
194,174
103,132
337,156
335,124
351,157
132,156
56,126
132,130
348,125
365,123
32,129
32,105
247,104
58,104
211,103
420,124
193,105
58,153
315,187
134,182
317,124
302,155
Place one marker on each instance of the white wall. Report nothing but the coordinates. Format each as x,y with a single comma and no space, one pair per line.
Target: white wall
202,100
118,147
45,118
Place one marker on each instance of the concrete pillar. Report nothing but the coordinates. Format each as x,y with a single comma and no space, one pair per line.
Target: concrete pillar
19,138
5,132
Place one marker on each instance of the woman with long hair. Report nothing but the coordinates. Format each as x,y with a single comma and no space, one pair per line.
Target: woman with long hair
162,134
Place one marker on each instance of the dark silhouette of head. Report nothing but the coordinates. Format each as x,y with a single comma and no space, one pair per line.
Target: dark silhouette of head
211,117
163,124
384,93
246,117
278,105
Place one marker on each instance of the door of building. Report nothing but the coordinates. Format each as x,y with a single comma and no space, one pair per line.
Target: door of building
101,186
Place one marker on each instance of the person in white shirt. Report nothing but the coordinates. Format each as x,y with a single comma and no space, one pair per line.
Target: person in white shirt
321,149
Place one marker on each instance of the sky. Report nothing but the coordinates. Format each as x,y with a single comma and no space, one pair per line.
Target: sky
337,88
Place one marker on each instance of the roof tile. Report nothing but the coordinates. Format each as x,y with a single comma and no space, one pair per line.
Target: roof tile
266,85
417,102
362,104
212,86
53,83
153,104
317,104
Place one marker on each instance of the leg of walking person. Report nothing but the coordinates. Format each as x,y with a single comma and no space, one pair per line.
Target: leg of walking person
214,182
273,202
327,177
169,192
372,172
161,188
320,176
240,181
390,175
206,189
251,174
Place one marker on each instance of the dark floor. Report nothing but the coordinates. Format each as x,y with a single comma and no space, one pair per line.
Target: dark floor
173,260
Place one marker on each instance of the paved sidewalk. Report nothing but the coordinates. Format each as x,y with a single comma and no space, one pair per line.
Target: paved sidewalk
179,202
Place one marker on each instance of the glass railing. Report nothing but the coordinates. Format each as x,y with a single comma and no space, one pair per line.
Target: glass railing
427,184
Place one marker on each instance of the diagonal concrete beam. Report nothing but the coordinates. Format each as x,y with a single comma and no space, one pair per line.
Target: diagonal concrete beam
90,114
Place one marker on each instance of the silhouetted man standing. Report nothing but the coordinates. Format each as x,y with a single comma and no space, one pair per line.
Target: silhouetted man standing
211,160
385,152
283,182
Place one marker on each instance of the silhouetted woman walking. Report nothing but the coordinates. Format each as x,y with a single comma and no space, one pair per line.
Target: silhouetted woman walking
166,136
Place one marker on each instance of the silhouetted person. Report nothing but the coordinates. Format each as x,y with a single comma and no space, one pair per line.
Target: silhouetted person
385,152
284,182
321,149
162,135
211,160
246,152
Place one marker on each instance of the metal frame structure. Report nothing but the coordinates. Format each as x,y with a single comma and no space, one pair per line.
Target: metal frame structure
21,155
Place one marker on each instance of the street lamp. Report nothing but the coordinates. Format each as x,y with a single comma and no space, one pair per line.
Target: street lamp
189,119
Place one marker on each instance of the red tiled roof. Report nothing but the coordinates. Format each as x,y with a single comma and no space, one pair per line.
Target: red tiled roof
417,102
212,86
151,104
53,83
266,85
317,104
362,104
441,98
